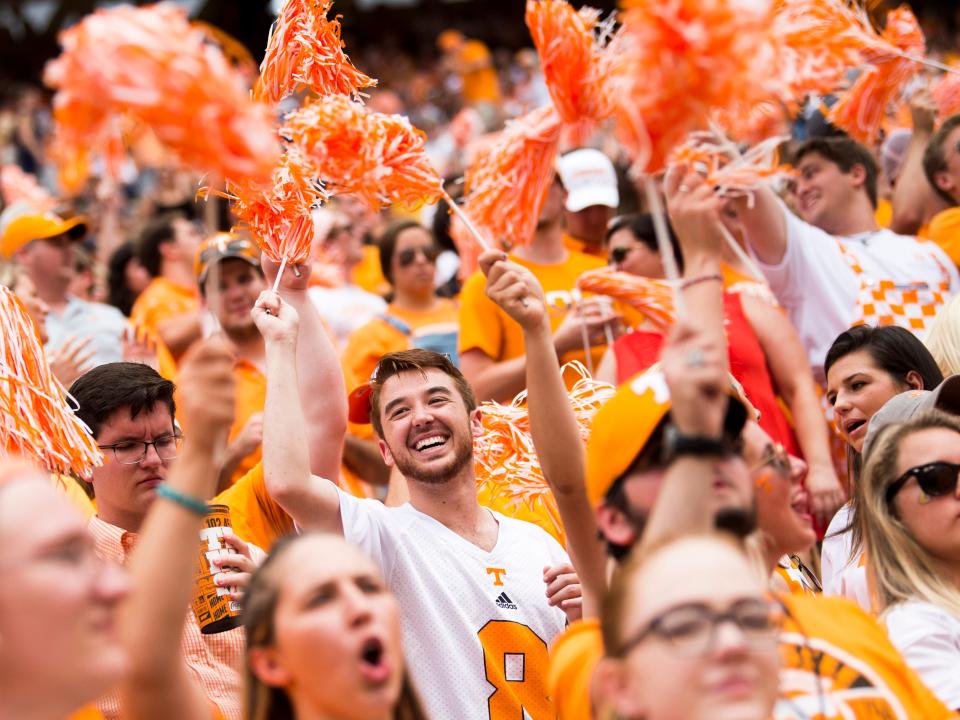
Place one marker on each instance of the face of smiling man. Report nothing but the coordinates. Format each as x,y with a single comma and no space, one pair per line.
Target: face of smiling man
427,430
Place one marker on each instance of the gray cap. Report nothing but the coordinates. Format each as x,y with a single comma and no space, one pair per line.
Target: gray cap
902,407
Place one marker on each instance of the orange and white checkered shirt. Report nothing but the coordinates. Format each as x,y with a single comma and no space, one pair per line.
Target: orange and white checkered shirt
215,660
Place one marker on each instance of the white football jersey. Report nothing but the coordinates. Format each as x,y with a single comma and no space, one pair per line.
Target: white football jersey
476,625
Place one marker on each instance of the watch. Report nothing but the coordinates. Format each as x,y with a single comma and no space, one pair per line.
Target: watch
676,444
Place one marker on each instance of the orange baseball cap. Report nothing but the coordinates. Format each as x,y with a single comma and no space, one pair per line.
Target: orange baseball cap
21,224
626,422
220,247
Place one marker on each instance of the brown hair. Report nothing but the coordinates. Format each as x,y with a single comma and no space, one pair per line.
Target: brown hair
934,158
420,360
263,702
900,568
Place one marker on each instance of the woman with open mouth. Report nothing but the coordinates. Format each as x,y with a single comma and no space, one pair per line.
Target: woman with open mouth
865,367
323,637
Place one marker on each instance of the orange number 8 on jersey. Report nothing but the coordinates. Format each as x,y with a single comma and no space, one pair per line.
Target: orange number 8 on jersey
516,662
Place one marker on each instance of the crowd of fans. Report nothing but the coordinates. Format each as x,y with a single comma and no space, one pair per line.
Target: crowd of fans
764,521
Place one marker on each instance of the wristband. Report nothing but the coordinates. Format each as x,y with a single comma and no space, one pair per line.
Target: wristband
702,279
193,504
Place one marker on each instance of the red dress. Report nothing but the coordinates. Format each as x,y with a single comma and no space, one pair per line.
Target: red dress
637,351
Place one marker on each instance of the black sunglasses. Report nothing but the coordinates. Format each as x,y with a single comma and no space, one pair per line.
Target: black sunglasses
406,257
935,479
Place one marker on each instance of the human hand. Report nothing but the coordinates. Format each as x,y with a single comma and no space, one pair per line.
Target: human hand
515,290
276,320
207,393
923,112
139,347
71,360
694,367
563,590
296,278
235,568
825,492
597,318
250,437
694,211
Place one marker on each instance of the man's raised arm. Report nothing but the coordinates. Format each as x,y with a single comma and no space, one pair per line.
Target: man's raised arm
311,501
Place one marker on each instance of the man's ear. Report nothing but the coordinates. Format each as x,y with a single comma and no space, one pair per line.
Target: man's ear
476,422
385,453
615,526
266,666
858,174
945,183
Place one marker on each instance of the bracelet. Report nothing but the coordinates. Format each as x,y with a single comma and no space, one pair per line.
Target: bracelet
702,279
193,504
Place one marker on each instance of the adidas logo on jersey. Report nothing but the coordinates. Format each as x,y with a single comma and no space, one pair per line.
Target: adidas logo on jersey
503,600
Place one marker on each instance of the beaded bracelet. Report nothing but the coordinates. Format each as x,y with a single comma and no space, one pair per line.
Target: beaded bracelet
686,284
193,504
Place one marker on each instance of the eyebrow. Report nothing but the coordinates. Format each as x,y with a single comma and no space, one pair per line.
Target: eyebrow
435,390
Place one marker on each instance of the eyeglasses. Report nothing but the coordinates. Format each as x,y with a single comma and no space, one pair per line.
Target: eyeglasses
406,257
935,479
691,629
777,457
131,452
619,254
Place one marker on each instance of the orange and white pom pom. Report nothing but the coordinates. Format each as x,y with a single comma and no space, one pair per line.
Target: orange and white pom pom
649,296
575,59
35,419
380,159
18,186
735,175
305,52
861,109
504,456
507,179
148,65
946,93
683,60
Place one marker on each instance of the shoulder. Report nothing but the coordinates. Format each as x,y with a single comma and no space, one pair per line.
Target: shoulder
473,286
916,617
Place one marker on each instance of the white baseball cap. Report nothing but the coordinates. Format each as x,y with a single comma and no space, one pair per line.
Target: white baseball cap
589,179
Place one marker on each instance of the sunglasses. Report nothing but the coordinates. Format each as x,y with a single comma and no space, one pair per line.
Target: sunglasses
408,256
935,479
619,254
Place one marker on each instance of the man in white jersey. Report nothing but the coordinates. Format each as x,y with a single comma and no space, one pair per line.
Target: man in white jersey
835,267
477,619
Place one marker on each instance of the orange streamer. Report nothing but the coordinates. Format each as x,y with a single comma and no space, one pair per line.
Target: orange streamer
127,65
652,297
946,93
35,420
861,110
733,176
305,51
379,158
505,459
18,186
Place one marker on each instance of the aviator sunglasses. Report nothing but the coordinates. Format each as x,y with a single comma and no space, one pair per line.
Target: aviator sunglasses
406,257
935,479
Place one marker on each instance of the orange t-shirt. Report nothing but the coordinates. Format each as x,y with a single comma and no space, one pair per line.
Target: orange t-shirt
572,243
161,300
255,516
479,77
251,394
368,274
484,326
944,230
573,659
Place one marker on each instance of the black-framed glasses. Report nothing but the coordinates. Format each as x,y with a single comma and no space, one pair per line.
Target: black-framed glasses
691,629
407,257
619,254
777,457
131,452
935,479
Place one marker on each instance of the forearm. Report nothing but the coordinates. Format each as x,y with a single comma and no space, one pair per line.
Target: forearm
685,504
231,461
321,387
363,458
492,380
811,427
912,190
286,458
556,438
764,226
704,300
181,331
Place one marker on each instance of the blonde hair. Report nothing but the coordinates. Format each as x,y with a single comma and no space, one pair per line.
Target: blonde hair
943,340
899,567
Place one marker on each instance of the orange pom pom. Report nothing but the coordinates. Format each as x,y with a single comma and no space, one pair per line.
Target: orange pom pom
684,59
733,176
507,180
654,298
575,62
505,459
18,186
379,158
946,93
148,65
35,420
861,110
305,51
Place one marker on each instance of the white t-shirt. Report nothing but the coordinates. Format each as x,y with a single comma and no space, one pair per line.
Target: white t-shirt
346,308
841,571
929,640
476,625
819,290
